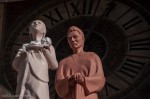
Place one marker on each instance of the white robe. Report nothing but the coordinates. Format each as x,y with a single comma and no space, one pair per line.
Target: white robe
32,68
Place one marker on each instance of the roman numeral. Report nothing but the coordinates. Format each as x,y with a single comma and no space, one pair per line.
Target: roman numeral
132,22
110,7
128,19
123,14
137,33
75,8
110,89
52,18
140,44
85,9
131,68
70,9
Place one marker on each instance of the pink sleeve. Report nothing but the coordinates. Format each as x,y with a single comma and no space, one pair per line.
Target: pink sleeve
61,83
95,82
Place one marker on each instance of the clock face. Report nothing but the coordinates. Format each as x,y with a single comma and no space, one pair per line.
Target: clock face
116,30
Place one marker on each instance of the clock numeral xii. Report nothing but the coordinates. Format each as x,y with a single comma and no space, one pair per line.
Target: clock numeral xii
132,22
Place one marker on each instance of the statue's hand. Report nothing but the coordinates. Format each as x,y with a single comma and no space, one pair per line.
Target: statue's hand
46,41
23,53
71,81
34,47
46,47
79,78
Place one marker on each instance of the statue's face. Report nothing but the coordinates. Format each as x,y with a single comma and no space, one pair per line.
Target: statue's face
37,25
37,29
75,39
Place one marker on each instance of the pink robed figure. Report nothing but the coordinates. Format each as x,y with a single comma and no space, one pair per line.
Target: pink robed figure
80,75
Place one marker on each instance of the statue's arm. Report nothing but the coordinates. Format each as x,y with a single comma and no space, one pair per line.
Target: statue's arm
19,58
96,82
51,57
61,82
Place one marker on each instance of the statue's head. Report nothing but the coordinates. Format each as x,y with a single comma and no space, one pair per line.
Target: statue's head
37,30
75,37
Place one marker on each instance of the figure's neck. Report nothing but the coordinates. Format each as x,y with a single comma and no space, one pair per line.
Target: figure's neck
37,36
78,51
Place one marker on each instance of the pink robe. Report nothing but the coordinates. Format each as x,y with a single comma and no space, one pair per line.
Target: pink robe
89,65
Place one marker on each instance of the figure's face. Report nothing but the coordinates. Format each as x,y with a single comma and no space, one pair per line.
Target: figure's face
75,39
38,26
37,29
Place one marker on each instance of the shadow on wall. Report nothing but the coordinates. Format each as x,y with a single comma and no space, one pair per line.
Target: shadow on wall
5,94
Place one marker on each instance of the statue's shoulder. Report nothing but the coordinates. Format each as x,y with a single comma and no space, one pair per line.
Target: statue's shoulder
91,53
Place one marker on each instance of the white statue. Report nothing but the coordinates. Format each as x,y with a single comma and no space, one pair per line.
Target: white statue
32,63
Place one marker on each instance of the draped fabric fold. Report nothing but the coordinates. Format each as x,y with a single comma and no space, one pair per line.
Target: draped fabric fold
32,68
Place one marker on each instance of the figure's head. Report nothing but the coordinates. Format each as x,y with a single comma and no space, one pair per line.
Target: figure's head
37,30
75,37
